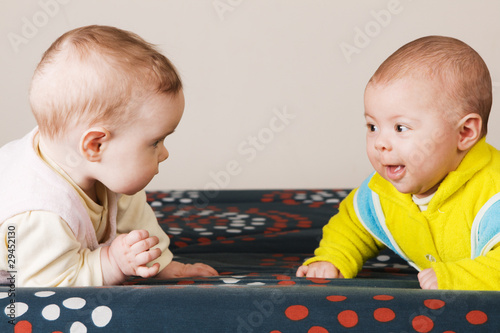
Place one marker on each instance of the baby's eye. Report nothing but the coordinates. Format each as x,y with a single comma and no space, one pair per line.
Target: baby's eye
156,143
401,128
372,128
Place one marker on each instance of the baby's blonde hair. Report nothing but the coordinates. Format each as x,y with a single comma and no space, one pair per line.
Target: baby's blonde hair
97,74
458,70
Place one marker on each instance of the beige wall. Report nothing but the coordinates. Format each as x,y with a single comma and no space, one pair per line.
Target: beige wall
274,88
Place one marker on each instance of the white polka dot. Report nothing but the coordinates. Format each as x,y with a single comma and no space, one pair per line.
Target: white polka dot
78,327
379,264
44,293
226,214
334,200
249,228
155,204
256,284
230,280
20,309
200,229
237,225
4,295
260,219
207,233
101,316
51,312
220,227
74,303
168,199
317,197
383,257
233,231
400,266
257,223
186,200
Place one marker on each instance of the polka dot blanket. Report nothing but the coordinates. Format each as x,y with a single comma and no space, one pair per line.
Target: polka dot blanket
256,240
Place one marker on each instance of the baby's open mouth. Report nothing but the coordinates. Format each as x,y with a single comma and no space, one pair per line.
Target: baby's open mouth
395,172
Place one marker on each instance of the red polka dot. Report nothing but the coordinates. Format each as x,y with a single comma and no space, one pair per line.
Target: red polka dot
180,244
384,315
204,240
422,324
434,304
286,283
476,317
336,298
317,329
23,327
275,331
290,202
296,312
383,297
348,318
318,280
183,282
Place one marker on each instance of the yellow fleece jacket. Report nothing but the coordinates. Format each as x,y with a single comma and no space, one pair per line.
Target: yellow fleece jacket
443,231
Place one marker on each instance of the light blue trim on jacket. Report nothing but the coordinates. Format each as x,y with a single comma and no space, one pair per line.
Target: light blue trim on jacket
485,232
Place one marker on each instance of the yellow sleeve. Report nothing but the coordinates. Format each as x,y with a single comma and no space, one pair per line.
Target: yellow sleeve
135,213
47,254
481,273
346,243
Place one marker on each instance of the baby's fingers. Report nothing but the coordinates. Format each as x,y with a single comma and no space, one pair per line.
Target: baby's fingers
302,271
147,272
135,236
147,256
144,245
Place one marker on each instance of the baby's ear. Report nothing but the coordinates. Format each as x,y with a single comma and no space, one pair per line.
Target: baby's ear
470,131
92,141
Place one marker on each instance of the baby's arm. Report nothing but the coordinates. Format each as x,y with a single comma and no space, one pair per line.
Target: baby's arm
319,269
128,255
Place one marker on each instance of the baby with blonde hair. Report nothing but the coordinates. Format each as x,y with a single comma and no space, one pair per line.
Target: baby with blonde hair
73,188
434,196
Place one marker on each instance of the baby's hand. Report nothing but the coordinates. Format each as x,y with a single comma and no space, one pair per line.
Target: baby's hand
128,254
428,279
319,269
176,270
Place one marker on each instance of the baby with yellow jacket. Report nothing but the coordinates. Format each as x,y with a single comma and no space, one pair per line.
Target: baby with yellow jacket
434,195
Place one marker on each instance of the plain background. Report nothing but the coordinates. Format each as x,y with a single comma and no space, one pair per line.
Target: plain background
274,88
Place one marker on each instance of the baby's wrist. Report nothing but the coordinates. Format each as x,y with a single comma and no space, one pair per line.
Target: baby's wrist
111,272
